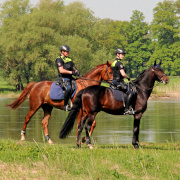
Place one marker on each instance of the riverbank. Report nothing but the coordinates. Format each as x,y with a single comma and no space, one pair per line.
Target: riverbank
32,160
171,90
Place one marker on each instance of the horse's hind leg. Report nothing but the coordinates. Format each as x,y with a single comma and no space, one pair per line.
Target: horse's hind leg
81,119
90,132
31,112
47,114
88,128
92,127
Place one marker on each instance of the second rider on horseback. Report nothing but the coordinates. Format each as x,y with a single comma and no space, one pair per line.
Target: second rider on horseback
66,69
118,79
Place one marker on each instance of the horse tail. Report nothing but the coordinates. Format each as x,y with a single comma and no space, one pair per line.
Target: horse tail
22,97
69,122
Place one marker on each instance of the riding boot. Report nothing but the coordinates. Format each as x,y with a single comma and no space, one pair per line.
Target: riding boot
66,99
128,103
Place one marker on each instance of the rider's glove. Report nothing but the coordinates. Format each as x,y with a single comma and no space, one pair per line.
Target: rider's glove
118,79
73,73
129,79
77,73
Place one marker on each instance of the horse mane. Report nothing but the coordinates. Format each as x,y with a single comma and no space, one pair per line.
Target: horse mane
140,76
96,67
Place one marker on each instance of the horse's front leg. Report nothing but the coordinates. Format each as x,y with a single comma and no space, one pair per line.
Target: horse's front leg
135,140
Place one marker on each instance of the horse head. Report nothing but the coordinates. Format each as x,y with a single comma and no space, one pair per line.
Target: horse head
159,73
106,73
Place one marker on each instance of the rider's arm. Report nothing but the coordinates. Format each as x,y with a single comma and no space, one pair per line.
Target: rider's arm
124,74
64,71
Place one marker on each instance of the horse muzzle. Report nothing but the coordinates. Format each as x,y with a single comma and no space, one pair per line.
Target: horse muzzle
164,79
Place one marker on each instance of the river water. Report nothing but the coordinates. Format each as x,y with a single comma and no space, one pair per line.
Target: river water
160,123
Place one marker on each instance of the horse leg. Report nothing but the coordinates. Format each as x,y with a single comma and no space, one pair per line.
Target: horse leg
90,132
80,124
88,128
135,141
27,119
47,114
92,128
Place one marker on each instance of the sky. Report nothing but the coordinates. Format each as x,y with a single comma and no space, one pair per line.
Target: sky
116,9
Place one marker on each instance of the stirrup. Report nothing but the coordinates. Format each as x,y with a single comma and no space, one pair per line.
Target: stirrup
129,112
67,108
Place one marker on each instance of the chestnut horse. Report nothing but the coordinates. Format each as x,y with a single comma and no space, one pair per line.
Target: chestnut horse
39,95
98,98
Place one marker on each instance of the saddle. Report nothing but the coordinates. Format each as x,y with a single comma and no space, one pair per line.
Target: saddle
57,90
120,92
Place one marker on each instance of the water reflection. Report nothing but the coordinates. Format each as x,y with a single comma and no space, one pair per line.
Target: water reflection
160,123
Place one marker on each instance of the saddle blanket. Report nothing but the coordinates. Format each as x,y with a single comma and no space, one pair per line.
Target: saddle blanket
57,93
118,95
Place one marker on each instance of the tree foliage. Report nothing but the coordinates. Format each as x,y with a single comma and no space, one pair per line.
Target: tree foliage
166,34
30,38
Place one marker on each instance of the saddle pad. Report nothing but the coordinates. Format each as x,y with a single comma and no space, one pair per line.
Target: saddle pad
57,93
118,95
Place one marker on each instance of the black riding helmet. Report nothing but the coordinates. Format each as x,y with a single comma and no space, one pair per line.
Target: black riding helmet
65,48
120,51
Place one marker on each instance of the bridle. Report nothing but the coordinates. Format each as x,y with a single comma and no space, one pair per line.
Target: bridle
159,77
106,72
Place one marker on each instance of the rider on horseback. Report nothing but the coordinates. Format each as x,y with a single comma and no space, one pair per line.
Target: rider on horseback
66,69
118,79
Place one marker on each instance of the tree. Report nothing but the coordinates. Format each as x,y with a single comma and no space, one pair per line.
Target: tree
165,25
138,49
165,32
11,12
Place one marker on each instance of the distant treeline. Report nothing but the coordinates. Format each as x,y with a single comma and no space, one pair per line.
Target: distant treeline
31,36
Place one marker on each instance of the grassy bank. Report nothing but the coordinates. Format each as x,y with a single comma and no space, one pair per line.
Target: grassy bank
170,90
27,160
7,90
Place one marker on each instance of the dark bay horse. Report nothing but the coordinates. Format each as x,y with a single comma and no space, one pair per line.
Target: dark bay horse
39,95
98,98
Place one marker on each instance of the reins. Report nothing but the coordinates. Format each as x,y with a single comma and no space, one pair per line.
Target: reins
84,78
159,78
144,90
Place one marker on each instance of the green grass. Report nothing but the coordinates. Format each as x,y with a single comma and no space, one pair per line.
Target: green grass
172,89
7,90
27,160
160,90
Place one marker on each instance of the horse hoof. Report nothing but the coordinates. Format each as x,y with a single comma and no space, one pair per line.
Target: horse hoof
136,147
23,137
78,145
83,140
50,142
90,146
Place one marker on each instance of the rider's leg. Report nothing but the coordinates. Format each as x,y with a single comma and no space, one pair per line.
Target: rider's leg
66,98
128,103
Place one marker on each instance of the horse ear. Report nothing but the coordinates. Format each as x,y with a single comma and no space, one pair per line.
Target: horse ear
159,63
155,63
107,62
